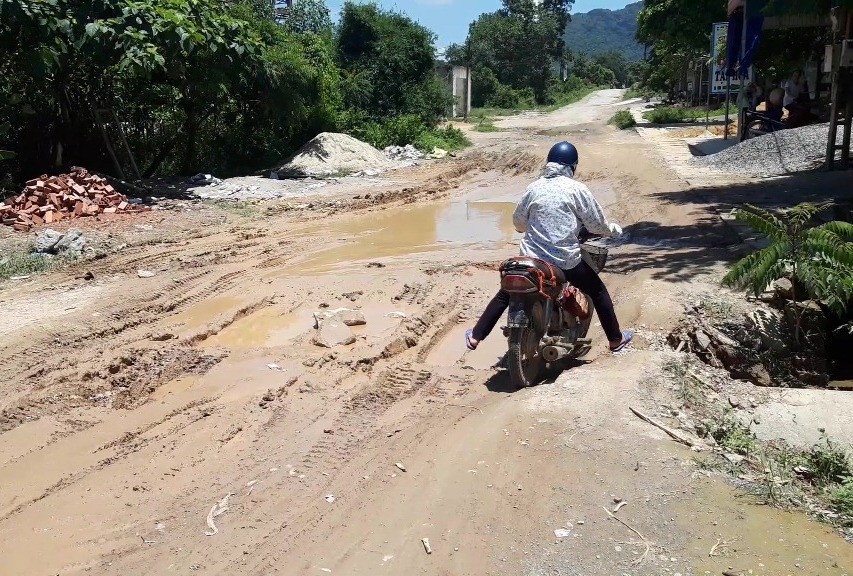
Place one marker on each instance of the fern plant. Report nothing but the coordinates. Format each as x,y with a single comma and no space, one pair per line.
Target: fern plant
820,258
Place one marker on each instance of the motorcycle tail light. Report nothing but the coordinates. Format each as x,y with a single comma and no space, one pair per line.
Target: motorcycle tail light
514,283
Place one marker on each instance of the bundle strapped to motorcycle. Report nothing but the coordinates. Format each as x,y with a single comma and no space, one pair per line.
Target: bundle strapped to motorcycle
544,277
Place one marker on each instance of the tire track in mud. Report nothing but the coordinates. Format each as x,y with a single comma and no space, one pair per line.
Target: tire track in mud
124,447
51,384
399,375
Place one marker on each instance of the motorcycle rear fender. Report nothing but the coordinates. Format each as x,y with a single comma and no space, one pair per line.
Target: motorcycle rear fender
519,313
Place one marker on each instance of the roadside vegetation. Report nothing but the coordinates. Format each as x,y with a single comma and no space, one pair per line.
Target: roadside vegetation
817,260
623,120
21,261
678,114
817,480
519,61
198,85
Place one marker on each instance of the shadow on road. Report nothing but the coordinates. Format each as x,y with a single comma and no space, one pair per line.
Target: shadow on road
681,252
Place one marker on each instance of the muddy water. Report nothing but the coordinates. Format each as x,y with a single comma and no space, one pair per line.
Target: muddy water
755,539
265,328
202,313
272,327
176,386
413,230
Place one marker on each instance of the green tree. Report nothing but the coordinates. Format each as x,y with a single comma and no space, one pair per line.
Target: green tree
678,31
520,44
616,62
389,65
820,258
309,16
456,54
197,84
591,72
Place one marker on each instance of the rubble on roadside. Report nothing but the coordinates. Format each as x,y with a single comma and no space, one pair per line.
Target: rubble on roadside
52,242
437,154
50,199
736,351
331,333
407,152
202,179
346,316
757,342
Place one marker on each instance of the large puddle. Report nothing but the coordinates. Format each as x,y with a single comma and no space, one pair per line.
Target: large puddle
740,537
413,230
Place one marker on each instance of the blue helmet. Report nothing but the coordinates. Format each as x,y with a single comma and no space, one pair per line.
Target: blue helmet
564,153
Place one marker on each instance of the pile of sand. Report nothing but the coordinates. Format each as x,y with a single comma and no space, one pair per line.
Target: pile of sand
331,154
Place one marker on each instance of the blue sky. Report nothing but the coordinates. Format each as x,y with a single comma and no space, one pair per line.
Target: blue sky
449,19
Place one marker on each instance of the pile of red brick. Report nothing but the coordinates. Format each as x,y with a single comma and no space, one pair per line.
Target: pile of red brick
50,199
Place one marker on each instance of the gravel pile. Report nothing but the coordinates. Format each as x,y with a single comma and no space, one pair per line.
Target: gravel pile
774,154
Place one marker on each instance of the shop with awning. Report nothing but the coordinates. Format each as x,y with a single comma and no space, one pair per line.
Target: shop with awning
749,20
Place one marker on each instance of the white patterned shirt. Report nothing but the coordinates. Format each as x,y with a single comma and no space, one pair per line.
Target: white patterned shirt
550,215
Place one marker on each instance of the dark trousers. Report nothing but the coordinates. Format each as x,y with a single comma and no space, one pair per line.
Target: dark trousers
582,277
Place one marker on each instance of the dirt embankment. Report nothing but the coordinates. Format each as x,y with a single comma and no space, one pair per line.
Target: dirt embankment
133,406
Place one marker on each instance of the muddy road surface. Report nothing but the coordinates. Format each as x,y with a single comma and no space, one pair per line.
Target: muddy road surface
186,423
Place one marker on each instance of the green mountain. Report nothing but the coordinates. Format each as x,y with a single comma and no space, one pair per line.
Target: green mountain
602,30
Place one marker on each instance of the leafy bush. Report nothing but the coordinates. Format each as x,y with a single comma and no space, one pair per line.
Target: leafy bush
637,90
410,129
403,130
677,114
449,138
623,120
508,97
734,436
842,500
820,258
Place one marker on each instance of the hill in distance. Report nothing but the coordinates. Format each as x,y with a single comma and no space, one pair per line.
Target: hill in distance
603,30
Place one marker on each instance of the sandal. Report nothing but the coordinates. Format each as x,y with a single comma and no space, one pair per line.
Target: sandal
468,336
627,338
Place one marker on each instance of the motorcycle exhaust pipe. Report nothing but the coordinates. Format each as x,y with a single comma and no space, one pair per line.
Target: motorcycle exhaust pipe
553,354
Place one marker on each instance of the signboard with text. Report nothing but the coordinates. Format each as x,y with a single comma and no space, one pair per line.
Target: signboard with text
718,60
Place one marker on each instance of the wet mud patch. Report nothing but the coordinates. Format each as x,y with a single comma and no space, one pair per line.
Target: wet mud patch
124,382
139,373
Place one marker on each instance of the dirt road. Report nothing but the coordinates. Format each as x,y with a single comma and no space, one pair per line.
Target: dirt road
135,409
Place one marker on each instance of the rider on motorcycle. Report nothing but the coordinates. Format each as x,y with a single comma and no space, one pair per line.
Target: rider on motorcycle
550,216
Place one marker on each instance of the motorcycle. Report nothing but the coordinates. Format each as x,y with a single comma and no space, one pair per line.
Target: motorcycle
548,319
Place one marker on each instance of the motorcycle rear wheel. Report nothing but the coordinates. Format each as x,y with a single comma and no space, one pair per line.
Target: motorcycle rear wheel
524,362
